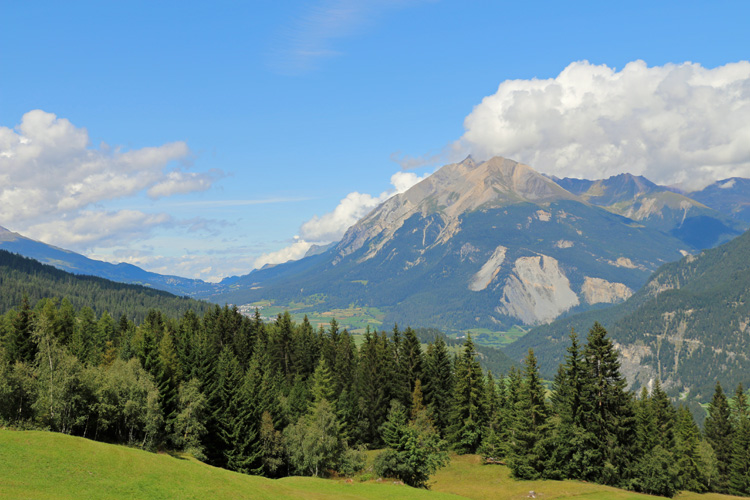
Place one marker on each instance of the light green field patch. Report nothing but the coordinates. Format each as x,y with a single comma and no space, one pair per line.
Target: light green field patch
493,338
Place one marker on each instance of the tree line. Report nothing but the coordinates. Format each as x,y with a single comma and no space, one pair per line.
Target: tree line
279,398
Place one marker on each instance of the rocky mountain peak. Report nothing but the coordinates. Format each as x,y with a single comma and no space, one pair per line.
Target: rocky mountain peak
453,190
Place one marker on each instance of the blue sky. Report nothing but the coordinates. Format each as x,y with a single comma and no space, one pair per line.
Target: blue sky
245,120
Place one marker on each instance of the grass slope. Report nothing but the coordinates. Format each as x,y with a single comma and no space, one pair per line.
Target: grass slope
51,466
45,465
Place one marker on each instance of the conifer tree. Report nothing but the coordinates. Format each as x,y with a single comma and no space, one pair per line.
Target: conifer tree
528,455
665,416
739,465
411,357
567,432
606,412
687,442
718,431
19,345
322,383
469,404
372,385
438,384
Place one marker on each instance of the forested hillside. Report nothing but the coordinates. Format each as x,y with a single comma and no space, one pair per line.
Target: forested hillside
688,326
21,276
281,398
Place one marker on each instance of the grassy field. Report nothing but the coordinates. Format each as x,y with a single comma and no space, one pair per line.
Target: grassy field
491,338
354,319
45,465
50,466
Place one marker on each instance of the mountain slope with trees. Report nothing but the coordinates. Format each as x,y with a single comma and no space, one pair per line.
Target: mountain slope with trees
688,326
78,264
21,276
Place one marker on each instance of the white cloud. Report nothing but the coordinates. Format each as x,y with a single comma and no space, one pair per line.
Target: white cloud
675,124
331,226
180,183
90,228
295,251
53,183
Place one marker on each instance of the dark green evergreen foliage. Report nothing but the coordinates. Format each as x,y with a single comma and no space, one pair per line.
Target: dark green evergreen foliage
438,384
607,413
375,367
664,414
528,454
414,448
469,407
20,276
240,421
687,443
411,357
568,431
265,399
739,465
18,343
718,430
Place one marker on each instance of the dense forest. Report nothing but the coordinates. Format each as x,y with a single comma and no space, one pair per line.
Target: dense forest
21,276
282,398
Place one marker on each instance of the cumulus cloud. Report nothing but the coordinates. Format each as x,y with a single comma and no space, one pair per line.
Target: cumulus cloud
331,226
90,227
675,124
53,182
295,251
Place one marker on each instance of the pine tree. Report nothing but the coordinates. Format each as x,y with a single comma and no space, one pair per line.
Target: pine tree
739,464
528,455
241,425
567,432
322,383
372,385
687,441
606,412
718,431
665,415
411,357
19,345
438,384
469,405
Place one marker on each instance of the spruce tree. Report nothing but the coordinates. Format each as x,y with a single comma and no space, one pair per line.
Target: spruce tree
606,412
528,455
411,357
438,384
718,431
372,385
687,442
567,432
469,404
739,464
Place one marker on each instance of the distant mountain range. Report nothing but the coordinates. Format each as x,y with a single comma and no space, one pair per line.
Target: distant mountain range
477,244
495,243
78,264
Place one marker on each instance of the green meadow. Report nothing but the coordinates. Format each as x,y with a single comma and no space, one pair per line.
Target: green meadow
46,465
